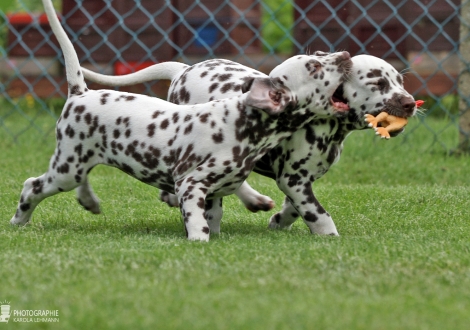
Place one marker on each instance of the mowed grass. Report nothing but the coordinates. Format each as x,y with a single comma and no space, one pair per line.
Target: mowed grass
402,260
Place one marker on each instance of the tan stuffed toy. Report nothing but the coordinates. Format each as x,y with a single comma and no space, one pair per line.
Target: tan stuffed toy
388,122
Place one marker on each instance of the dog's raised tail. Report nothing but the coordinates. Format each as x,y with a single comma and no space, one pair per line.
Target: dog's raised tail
164,70
76,83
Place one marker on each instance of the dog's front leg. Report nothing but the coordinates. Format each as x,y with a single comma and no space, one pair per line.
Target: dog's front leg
284,218
192,200
213,214
301,201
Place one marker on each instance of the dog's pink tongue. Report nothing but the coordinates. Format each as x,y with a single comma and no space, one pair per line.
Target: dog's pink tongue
340,106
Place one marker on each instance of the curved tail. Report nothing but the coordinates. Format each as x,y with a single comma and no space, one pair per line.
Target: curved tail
76,83
165,70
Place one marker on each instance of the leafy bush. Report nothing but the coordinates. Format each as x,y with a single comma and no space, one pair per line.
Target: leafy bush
26,5
277,22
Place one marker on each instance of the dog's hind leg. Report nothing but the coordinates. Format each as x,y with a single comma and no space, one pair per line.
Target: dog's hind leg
252,199
37,189
306,205
32,194
87,198
284,218
169,198
64,174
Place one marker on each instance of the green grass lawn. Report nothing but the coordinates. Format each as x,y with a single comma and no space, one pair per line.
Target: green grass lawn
402,260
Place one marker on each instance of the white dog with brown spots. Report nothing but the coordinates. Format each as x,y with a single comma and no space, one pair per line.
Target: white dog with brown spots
184,149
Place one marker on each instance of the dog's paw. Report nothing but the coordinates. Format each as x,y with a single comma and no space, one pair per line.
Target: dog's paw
273,225
199,237
90,204
170,199
261,203
19,221
275,222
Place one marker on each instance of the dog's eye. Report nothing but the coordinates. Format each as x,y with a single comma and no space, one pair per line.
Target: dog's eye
381,84
313,66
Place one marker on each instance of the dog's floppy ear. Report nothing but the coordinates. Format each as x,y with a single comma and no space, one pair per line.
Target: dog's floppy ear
247,84
264,95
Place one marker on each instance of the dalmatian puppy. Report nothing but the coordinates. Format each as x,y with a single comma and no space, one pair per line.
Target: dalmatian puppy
183,149
201,83
374,86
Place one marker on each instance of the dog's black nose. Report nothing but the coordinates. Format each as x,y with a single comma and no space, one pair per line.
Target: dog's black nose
408,104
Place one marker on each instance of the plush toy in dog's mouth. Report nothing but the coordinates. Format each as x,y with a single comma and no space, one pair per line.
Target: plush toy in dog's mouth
338,101
385,123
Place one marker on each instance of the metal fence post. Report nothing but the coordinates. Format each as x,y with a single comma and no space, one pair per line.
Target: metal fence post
464,80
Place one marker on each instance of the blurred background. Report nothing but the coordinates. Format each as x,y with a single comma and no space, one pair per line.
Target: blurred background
423,39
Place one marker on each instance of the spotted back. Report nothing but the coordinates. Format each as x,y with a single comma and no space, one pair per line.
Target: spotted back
210,80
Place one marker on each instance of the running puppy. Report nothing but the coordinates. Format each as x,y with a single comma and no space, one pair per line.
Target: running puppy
183,149
374,86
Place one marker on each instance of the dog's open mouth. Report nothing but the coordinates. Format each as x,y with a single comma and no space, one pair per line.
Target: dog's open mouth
338,101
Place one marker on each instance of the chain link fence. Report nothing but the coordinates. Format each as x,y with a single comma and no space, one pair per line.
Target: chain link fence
419,37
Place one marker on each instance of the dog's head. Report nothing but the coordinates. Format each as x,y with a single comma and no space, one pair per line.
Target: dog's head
303,82
375,86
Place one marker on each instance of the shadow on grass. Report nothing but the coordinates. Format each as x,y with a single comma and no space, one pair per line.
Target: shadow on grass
172,228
